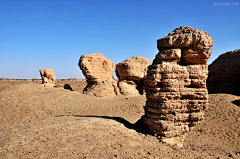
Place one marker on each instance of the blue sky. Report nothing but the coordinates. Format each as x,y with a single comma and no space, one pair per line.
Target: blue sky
37,34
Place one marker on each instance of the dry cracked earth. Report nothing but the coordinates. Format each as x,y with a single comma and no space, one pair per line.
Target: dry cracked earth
38,122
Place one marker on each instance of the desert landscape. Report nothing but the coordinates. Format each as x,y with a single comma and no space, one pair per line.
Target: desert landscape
158,109
119,79
40,122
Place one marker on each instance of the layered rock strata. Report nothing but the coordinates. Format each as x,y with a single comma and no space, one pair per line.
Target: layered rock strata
98,71
48,77
131,74
176,84
224,74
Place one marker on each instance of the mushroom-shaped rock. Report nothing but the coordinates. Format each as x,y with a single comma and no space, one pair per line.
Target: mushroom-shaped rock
224,74
176,84
48,77
131,74
98,71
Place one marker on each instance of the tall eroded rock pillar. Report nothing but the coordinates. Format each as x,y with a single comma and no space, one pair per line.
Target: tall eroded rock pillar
176,84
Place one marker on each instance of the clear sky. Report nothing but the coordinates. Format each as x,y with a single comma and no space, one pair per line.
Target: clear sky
36,34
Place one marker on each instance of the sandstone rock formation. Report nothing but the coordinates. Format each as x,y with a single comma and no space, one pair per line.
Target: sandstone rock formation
224,74
48,77
131,74
176,84
98,71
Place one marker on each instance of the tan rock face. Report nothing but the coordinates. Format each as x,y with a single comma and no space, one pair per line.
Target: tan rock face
48,77
176,84
98,71
194,43
131,74
224,74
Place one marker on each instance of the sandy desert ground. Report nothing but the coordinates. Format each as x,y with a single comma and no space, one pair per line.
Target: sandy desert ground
38,122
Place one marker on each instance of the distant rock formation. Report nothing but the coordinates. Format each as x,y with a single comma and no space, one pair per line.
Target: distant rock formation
224,74
176,84
131,74
98,71
48,77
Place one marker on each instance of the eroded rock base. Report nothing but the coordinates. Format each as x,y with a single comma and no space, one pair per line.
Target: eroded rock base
176,98
106,90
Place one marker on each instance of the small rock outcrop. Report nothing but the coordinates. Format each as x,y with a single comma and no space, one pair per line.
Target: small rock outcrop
176,84
67,86
48,77
98,71
224,74
131,74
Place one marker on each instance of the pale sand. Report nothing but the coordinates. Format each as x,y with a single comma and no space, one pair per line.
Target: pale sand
38,122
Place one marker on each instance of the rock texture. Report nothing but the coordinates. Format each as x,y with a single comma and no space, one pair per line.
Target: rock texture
131,74
98,71
176,84
48,77
224,74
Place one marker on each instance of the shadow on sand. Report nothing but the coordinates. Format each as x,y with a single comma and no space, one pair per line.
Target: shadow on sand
138,126
235,93
236,102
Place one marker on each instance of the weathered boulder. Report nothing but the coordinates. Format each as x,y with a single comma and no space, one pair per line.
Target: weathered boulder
224,74
131,74
67,86
98,71
48,77
176,84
